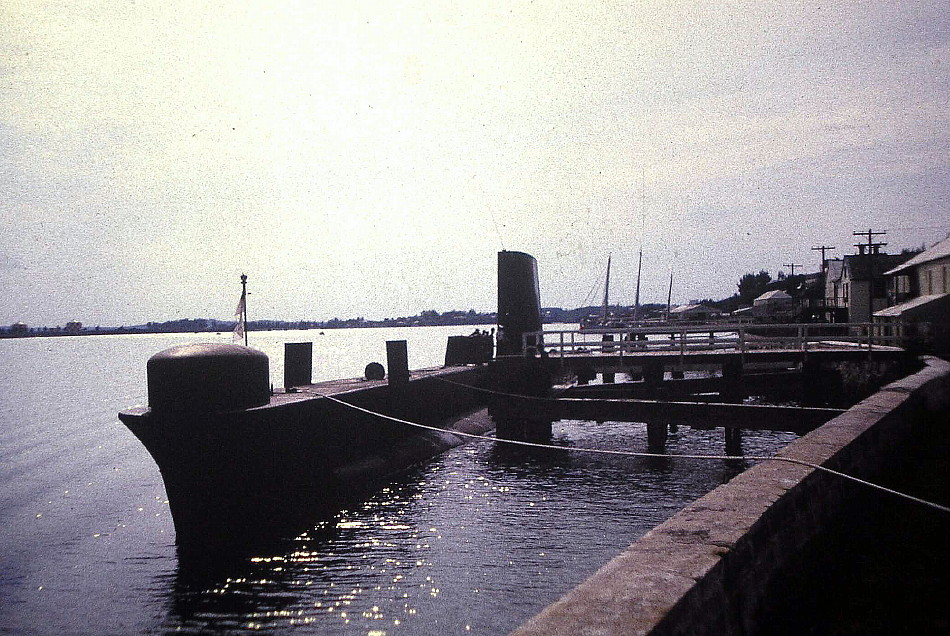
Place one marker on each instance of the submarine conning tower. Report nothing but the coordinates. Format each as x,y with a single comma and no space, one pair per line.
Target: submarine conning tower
519,300
207,377
519,372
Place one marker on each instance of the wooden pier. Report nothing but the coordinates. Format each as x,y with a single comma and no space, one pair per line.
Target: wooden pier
728,363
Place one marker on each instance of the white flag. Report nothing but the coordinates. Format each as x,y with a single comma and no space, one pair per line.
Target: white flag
239,317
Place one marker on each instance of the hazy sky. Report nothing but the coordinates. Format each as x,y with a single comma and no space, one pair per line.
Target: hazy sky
371,158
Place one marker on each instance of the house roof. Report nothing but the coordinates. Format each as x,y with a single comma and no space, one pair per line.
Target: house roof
775,294
913,303
858,265
940,250
684,308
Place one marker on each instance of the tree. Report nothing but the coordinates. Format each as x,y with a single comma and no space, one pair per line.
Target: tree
752,286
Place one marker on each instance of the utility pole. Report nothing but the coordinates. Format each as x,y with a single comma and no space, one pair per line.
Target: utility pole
870,245
793,266
872,248
824,260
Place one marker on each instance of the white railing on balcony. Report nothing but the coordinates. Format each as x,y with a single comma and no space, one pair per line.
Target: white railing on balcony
712,337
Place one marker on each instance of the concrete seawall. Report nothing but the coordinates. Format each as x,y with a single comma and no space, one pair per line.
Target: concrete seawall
718,566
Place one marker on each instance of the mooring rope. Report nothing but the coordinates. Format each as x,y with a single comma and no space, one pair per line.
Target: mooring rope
605,451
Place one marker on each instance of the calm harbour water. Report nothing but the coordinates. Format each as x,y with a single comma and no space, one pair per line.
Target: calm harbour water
476,541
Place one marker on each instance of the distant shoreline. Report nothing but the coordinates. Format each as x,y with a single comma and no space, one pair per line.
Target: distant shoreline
210,325
57,332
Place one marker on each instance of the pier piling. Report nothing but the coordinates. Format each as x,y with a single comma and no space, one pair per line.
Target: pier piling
657,433
653,374
733,440
527,378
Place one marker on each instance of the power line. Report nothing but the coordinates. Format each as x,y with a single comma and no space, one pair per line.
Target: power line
872,248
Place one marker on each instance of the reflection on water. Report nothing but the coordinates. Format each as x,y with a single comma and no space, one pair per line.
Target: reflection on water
476,541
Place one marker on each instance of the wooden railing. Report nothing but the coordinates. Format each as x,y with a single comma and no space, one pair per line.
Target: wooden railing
712,337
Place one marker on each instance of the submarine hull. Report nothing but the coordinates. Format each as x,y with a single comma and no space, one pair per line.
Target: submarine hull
238,481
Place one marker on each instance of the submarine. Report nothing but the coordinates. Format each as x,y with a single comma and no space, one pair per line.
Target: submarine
244,466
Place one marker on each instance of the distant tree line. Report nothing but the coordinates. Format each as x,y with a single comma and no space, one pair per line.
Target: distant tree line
205,325
749,287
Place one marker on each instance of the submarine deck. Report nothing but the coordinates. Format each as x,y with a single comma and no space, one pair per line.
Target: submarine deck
284,396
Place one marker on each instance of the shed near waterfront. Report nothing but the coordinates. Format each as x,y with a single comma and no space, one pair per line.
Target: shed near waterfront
695,311
774,304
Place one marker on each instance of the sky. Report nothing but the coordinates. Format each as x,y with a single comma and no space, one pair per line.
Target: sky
371,158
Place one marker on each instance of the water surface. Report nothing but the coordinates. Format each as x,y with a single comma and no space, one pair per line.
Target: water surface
476,541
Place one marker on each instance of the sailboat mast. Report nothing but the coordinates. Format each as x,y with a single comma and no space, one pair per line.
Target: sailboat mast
636,301
669,296
643,214
606,292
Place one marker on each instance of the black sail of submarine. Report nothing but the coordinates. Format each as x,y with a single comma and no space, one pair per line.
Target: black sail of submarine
519,301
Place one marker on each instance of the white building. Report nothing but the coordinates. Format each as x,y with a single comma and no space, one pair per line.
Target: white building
919,291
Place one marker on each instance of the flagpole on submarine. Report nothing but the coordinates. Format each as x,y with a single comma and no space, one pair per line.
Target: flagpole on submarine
240,313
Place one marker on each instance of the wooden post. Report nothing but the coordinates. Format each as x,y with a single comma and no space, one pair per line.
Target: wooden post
742,343
732,390
656,436
733,440
653,373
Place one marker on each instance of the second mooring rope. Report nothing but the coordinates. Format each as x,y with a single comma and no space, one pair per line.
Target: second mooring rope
604,451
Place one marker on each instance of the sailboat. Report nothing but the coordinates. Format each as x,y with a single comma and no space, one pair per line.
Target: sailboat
605,320
622,321
602,321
